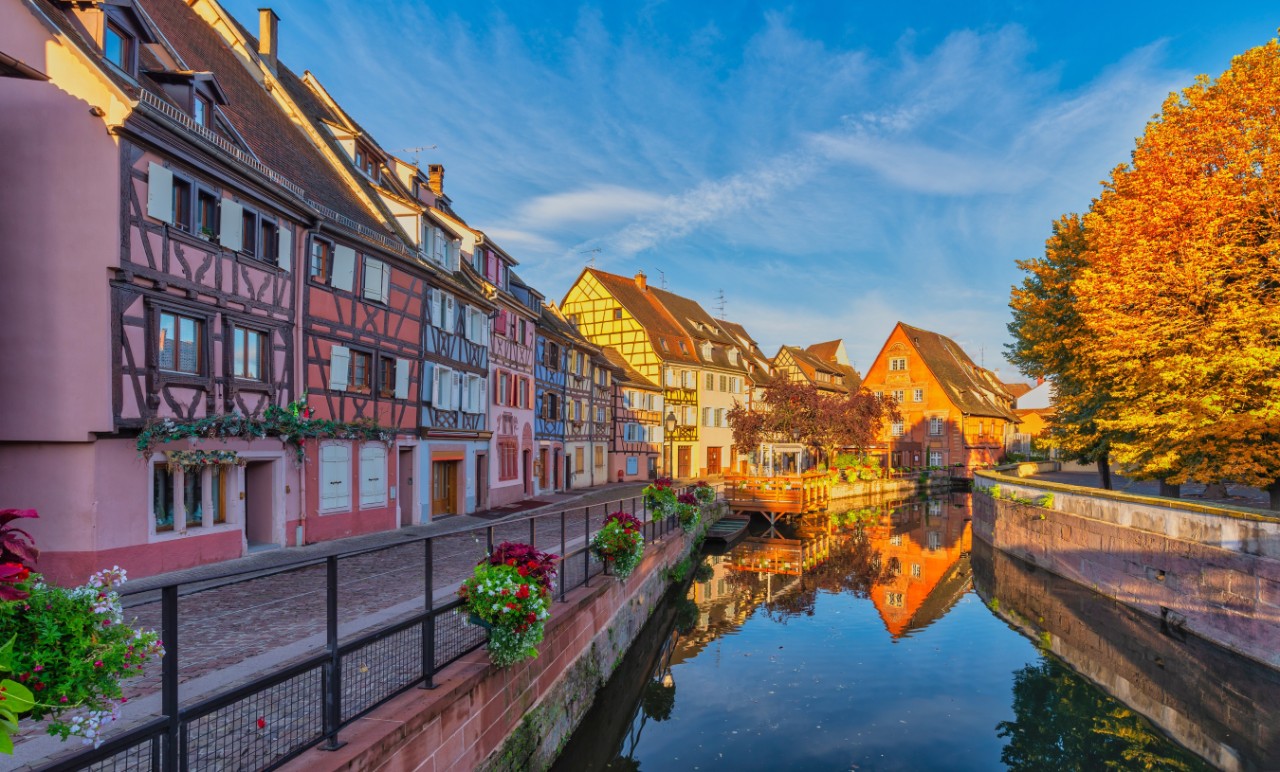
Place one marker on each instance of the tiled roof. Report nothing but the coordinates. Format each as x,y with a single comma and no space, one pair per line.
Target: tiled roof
970,388
1016,389
811,365
629,373
826,351
650,312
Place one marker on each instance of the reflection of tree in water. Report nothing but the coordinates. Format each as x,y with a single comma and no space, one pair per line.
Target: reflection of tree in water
686,617
1065,723
658,700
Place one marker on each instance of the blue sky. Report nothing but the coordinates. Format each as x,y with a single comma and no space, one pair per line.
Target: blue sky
833,167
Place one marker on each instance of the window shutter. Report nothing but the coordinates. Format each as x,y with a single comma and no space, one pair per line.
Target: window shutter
468,323
656,432
344,267
160,193
335,477
231,226
374,271
657,402
386,283
339,367
402,379
428,385
706,416
284,247
443,381
455,390
482,391
450,316
436,309
373,475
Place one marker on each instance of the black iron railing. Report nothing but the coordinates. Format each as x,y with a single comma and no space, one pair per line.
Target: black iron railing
306,701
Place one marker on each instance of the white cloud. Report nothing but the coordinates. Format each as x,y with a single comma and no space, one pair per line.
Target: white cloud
595,204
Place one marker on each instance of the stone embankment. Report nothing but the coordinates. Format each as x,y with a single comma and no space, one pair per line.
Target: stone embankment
898,487
1209,570
518,718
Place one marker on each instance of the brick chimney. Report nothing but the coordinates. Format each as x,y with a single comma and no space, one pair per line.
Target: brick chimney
642,281
269,38
1039,380
435,178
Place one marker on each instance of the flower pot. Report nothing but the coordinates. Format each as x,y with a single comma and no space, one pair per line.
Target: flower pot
478,622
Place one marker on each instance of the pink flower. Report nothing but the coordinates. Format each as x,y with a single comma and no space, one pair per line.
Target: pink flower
97,663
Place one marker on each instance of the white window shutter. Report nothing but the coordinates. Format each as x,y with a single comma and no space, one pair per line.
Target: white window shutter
437,247
231,225
284,249
657,402
160,193
339,367
386,283
428,385
450,319
657,433
402,379
435,307
373,475
456,390
335,478
344,267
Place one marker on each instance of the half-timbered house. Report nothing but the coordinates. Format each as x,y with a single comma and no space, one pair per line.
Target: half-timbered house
636,437
551,361
168,302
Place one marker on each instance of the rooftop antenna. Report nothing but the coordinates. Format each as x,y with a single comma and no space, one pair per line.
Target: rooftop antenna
593,252
720,303
416,152
662,278
982,356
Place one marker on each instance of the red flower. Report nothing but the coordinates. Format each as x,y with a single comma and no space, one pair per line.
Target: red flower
524,571
523,592
511,561
532,617
511,604
262,722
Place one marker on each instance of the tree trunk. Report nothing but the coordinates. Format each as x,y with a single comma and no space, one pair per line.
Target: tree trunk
1274,490
1169,490
1104,470
1215,490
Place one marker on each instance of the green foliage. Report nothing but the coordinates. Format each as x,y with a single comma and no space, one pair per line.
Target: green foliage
70,648
657,701
15,699
513,605
677,573
620,541
686,616
292,425
994,490
1045,501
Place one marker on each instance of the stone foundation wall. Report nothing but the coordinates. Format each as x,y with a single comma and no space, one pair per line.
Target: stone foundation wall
1220,705
1211,571
481,717
895,488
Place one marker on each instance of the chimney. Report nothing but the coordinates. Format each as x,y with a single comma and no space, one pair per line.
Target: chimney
435,178
1039,380
642,281
269,38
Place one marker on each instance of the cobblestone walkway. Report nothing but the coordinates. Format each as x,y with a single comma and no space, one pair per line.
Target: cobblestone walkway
232,630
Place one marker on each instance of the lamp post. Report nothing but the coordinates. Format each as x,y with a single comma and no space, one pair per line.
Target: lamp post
670,425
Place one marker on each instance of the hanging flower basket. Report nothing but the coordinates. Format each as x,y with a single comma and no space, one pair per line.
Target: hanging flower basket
704,493
197,459
509,594
620,543
688,512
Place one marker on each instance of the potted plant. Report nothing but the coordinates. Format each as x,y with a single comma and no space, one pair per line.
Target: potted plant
704,493
620,543
687,511
509,593
660,497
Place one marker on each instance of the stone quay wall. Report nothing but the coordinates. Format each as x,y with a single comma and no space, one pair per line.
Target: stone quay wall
1217,703
518,718
1209,570
898,487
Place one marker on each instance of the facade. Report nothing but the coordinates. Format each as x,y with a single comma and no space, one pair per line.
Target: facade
954,413
550,374
671,340
511,377
636,441
826,375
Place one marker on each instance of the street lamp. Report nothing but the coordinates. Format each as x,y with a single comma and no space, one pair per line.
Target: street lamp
670,424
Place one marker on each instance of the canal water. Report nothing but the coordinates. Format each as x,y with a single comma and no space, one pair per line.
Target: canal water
885,638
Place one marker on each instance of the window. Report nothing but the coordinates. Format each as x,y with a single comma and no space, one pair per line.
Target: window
180,346
502,393
335,477
706,416
898,396
894,599
321,262
203,494
916,573
249,232
268,241
386,376
117,46
507,460
935,540
918,395
373,475
599,456
361,372
683,348
201,108
193,497
207,215
724,383
182,204
579,464
719,416
711,382
895,540
218,493
897,429
935,426
162,497
935,459
617,313
249,351
898,363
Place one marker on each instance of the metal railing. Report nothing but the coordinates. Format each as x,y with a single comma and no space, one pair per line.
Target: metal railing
298,704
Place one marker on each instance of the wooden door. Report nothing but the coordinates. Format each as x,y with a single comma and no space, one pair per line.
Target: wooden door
684,461
713,460
443,481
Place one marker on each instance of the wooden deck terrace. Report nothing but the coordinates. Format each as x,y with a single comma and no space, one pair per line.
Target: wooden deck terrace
786,494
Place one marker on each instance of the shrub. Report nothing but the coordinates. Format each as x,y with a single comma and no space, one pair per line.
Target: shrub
620,542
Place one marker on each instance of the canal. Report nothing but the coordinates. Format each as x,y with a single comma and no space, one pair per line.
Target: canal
884,637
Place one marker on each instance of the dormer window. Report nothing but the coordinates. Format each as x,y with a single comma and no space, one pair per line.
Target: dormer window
201,109
118,47
368,164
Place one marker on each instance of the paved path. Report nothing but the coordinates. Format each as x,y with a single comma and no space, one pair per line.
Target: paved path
1237,495
232,629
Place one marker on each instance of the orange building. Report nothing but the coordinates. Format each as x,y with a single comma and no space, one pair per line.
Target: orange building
954,413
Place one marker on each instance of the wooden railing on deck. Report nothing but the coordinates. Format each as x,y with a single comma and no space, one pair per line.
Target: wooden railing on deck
780,494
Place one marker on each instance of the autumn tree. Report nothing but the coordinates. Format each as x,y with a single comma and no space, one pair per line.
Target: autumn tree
1180,292
795,410
1046,331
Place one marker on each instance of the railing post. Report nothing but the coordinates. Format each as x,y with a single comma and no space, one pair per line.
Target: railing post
332,668
564,543
533,532
586,549
489,539
429,624
169,676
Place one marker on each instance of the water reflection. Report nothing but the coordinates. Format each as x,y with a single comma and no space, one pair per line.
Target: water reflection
853,640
